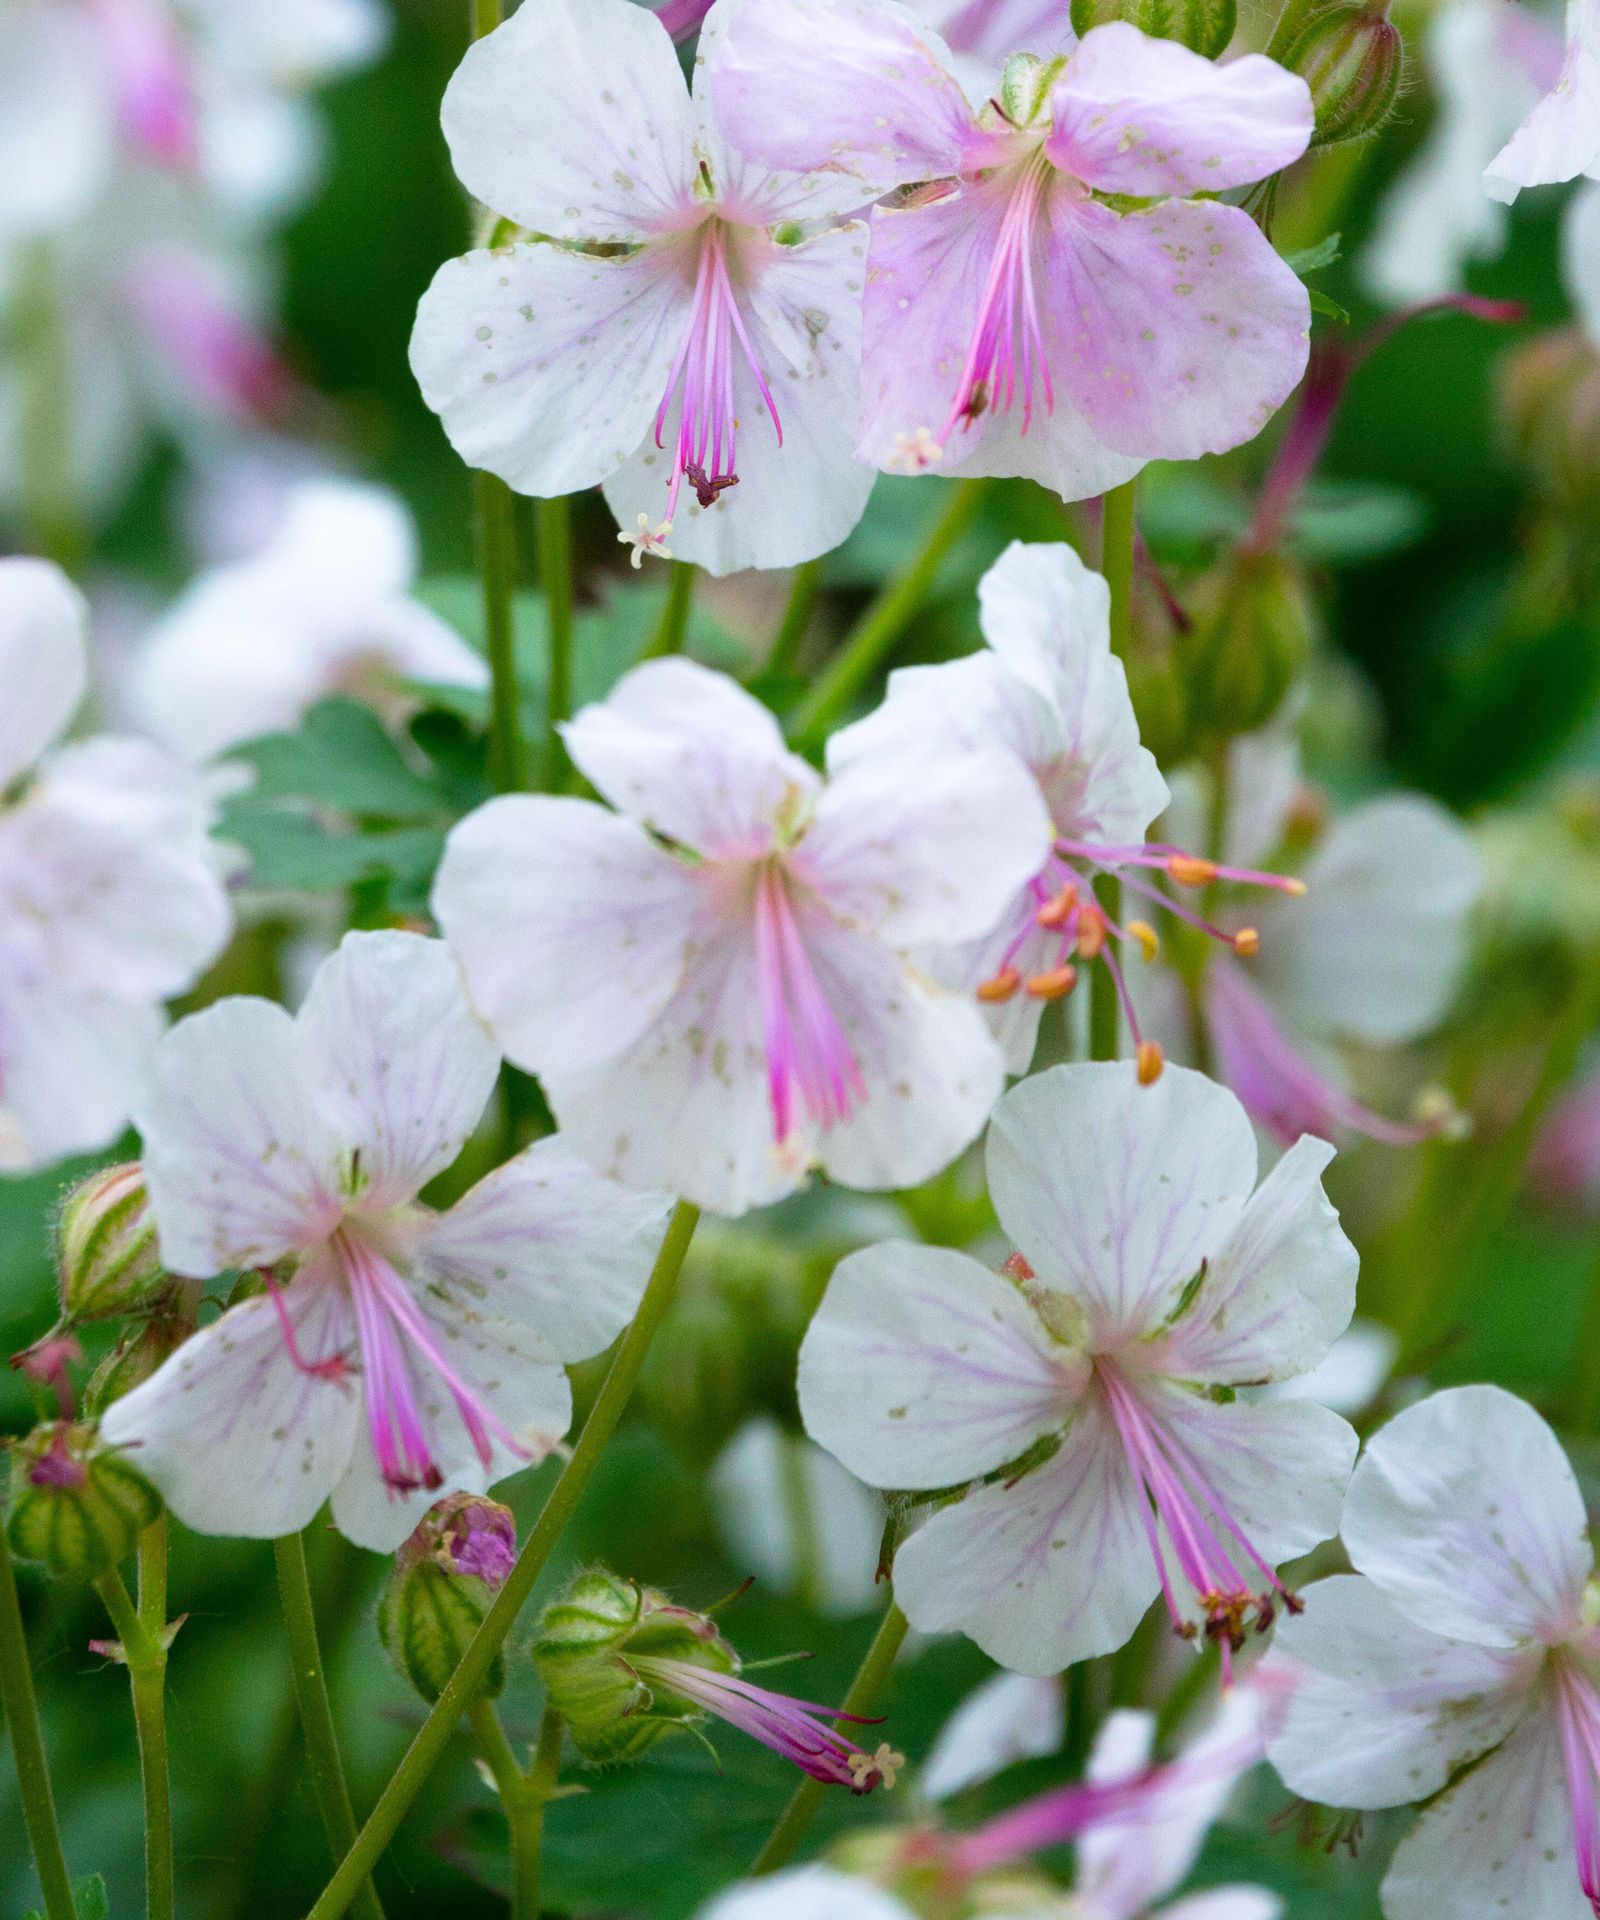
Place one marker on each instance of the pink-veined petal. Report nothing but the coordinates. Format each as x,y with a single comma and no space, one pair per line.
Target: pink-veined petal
1136,115
44,624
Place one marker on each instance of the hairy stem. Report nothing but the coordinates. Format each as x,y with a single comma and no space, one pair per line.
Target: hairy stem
522,1797
142,1632
27,1749
674,622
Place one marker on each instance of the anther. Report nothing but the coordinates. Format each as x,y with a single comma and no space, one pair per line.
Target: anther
1191,871
1148,939
1001,987
1054,985
1017,1267
1091,933
1247,942
1056,912
1151,1060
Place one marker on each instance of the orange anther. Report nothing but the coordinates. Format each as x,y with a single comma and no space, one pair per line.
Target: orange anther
1054,985
1248,942
1295,888
1001,987
1056,912
1151,1060
1190,871
1091,933
1017,1266
1147,937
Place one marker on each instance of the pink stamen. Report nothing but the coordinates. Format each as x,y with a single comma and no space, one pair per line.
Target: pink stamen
805,1044
1051,1819
708,421
210,344
335,1367
1007,346
1578,1712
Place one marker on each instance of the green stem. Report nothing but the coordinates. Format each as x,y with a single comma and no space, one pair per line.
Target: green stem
802,1518
522,1796
1583,1406
466,1683
50,517
144,1652
497,556
486,17
554,522
27,1748
864,1690
796,621
316,1710
1105,1014
1191,1683
1080,1720
884,621
1116,564
674,622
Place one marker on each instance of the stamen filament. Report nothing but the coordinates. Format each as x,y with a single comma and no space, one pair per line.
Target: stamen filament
1008,329
805,1045
1578,1714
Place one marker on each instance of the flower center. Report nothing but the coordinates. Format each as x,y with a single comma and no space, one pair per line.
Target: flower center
1578,1712
1205,1547
703,373
807,1052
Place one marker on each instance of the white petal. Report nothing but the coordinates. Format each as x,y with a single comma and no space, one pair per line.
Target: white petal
237,1438
1377,945
1052,1569
72,1065
548,1243
1116,1192
573,120
1466,1513
922,1368
396,1058
348,537
1501,1842
806,1893
1560,138
1352,1374
546,366
570,924
242,1166
1281,1288
57,118
1010,1717
44,625
1580,257
687,751
1227,1903
1381,1710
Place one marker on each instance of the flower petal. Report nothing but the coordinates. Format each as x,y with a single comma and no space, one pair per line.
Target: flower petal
1143,116
1050,1570
1561,136
546,1242
572,119
72,1064
44,624
1227,1903
1376,948
1381,1710
1116,1192
806,1893
238,1439
546,366
922,1368
1466,1513
1010,1717
1187,331
1580,257
1281,1288
241,1164
571,926
57,119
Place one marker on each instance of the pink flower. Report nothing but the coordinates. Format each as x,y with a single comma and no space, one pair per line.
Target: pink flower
1012,312
411,1352
713,982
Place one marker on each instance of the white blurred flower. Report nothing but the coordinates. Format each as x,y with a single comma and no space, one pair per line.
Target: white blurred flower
1011,1717
1560,138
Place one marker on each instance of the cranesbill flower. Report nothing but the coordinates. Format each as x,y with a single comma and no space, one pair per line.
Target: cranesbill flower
1560,138
1016,321
1082,1407
409,1353
712,981
670,324
323,608
1459,1665
110,900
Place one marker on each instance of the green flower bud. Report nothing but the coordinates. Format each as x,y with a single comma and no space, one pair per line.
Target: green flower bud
1250,638
136,1356
1349,54
1025,87
1204,26
76,1506
445,1579
1550,410
106,1251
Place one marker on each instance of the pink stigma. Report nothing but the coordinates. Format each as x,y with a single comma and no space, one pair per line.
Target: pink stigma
708,422
807,1051
1007,350
1578,1711
1204,1544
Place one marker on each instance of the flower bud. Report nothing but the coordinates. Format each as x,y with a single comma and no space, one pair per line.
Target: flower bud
76,1506
1250,638
1349,55
106,1250
1204,26
1550,411
135,1357
444,1582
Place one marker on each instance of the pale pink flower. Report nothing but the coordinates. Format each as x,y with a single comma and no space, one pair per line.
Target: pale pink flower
1458,1666
1560,138
712,982
1012,311
110,900
409,1353
678,330
1083,1403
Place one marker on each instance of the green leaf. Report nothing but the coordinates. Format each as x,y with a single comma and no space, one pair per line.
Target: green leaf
1340,521
341,755
1312,259
1329,309
293,852
88,1896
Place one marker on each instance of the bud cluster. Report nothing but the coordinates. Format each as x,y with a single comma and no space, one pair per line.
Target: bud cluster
76,1506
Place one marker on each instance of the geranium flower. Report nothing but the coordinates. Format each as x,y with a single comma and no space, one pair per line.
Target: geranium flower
675,330
409,1353
1458,1665
323,608
110,900
712,982
1015,320
1560,138
1082,1407
1050,691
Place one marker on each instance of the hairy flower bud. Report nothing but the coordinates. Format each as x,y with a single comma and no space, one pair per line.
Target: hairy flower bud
76,1506
1349,55
1550,411
135,1358
106,1251
445,1579
1204,26
1251,634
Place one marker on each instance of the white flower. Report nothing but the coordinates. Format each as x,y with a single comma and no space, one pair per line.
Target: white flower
703,366
712,981
1088,1405
1560,138
806,1893
110,901
323,608
1458,1665
1011,1717
412,1353
1580,258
